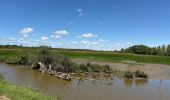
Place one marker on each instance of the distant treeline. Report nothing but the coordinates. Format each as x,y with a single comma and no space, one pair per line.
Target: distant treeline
163,50
10,46
38,47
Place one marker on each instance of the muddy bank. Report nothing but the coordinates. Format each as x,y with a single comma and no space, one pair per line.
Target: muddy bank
154,71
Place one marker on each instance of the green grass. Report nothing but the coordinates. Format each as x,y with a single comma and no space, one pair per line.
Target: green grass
20,93
11,54
117,57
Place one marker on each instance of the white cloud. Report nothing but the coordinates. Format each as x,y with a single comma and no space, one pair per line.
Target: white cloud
120,45
12,39
24,32
94,43
61,32
25,35
56,36
74,42
79,37
88,42
80,12
102,40
85,42
44,38
88,35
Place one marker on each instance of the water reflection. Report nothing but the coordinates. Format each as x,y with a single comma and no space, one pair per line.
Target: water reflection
128,82
136,82
90,89
141,82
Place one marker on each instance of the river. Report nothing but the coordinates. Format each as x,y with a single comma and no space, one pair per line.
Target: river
117,89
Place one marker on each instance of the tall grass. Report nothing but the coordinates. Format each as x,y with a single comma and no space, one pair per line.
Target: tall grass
20,93
117,57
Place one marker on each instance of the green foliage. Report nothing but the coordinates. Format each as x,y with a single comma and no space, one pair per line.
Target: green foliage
21,93
136,74
95,68
107,69
10,55
138,49
128,75
142,49
23,60
1,76
84,68
45,56
168,50
139,74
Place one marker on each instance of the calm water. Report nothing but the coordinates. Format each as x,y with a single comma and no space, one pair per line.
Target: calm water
88,90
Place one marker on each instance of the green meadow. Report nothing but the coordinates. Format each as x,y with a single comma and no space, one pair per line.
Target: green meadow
10,55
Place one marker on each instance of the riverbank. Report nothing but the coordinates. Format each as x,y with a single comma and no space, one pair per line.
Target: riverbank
154,71
9,91
117,61
99,89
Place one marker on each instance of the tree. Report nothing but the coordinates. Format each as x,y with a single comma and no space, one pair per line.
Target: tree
45,56
168,50
23,60
164,49
159,50
138,49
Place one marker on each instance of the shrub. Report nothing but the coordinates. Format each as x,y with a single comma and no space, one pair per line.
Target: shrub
140,74
96,68
45,56
88,64
107,69
128,75
84,68
23,60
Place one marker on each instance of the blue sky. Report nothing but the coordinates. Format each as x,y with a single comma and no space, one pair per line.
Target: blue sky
85,24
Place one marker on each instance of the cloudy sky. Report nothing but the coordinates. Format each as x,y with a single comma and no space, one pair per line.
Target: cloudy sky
85,24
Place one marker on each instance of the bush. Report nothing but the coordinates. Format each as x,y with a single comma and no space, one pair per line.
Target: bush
45,56
23,60
96,68
84,68
107,69
88,64
140,74
128,75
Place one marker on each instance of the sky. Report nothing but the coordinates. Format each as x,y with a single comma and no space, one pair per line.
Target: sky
85,24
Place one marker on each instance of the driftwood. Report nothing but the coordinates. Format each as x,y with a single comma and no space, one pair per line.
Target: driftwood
49,71
63,76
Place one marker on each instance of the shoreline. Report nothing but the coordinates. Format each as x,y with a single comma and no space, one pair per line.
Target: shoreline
154,71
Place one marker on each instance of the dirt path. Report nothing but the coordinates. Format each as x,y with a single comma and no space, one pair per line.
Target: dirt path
4,98
155,71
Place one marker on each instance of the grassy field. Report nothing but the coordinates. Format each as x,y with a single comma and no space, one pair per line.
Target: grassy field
11,54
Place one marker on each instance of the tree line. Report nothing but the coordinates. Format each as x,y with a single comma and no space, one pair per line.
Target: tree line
163,50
